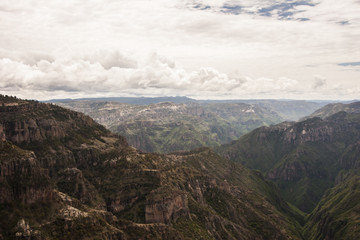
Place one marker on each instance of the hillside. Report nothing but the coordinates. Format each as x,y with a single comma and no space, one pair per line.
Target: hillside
64,176
337,214
302,158
167,127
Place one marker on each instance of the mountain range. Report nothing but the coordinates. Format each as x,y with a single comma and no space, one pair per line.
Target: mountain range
64,176
167,126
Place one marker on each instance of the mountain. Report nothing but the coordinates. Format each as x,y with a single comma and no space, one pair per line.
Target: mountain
302,158
288,110
167,127
64,176
331,109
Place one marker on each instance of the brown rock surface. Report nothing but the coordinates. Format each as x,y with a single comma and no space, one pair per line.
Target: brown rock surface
164,205
21,177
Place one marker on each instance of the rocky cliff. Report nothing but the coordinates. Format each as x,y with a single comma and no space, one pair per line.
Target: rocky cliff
22,180
165,205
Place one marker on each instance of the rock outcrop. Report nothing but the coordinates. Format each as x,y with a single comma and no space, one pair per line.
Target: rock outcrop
165,205
2,134
22,179
72,182
23,231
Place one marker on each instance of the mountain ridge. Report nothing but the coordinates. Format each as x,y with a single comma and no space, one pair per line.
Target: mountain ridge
331,109
302,157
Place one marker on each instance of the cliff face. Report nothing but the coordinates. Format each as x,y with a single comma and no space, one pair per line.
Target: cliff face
134,186
33,130
165,206
73,182
22,179
2,134
350,158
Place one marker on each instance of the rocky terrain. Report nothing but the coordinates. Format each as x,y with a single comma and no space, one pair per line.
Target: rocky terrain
304,158
64,176
166,127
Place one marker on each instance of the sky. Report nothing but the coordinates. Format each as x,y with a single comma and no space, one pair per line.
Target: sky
205,49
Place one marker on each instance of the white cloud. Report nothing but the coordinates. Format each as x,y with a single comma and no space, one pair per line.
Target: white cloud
84,76
94,44
319,82
152,76
111,59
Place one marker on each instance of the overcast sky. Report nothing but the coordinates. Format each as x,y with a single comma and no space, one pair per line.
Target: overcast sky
202,49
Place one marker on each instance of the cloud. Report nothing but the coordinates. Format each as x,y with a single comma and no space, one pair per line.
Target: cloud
111,59
154,75
319,82
345,64
105,47
280,9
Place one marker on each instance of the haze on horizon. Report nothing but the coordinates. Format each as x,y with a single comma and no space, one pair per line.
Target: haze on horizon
205,49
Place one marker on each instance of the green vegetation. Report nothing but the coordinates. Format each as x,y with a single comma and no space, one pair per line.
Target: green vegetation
337,215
